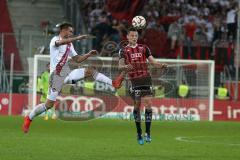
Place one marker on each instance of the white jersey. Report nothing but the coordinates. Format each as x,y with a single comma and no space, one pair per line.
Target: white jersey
57,52
231,16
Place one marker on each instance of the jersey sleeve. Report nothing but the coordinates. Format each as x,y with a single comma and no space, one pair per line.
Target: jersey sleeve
121,53
72,51
148,52
53,42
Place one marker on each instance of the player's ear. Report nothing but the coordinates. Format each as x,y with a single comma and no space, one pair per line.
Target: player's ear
137,34
128,36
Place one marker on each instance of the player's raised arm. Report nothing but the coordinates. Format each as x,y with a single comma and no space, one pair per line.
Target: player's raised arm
81,58
70,39
66,32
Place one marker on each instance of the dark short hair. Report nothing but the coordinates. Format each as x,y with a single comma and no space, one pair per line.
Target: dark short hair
64,25
131,29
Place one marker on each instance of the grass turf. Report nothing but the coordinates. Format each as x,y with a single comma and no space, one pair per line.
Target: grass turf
116,140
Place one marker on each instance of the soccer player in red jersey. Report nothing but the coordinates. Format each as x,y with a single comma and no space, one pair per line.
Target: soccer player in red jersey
133,61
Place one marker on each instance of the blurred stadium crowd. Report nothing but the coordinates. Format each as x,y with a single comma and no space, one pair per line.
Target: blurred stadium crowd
184,29
189,29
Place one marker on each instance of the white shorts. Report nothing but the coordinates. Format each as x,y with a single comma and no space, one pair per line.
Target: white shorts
56,82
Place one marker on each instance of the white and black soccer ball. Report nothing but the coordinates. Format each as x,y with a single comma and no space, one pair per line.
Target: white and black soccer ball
138,22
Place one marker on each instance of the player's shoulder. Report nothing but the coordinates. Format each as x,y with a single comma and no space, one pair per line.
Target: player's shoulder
123,49
142,46
54,39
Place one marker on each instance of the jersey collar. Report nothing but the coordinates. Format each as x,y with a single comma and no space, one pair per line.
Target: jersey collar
132,46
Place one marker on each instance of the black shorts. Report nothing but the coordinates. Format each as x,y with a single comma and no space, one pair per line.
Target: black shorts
138,92
140,88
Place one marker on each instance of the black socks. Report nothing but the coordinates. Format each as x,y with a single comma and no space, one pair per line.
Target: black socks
148,120
137,117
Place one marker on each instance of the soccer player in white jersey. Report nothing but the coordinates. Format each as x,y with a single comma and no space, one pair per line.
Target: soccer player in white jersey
61,49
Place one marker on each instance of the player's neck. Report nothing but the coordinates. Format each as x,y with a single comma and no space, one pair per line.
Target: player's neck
60,36
133,45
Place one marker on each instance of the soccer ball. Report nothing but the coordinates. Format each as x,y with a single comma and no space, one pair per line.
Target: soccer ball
139,22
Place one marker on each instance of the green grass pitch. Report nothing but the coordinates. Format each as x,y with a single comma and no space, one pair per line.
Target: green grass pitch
106,139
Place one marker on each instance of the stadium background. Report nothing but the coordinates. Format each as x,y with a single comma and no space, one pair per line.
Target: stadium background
26,28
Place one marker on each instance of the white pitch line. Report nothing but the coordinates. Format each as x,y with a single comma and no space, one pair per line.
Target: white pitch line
189,140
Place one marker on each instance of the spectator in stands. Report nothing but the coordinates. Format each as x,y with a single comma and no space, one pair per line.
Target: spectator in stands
152,23
101,31
95,15
120,27
231,23
200,36
209,30
115,31
218,26
189,29
209,17
224,3
174,34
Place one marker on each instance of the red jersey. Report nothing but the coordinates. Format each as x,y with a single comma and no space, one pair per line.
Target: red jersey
190,29
137,57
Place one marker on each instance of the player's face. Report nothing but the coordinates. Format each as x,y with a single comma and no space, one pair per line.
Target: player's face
68,32
132,37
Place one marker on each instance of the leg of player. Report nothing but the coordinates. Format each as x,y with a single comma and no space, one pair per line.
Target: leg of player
40,108
75,75
148,117
78,74
137,118
101,77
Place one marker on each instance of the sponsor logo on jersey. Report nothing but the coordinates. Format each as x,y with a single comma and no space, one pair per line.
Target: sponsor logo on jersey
136,55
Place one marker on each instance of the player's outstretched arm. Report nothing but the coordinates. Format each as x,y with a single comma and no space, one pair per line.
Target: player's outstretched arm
71,39
156,63
81,58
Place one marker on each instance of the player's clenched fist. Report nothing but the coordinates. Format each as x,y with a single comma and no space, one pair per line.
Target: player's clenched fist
85,36
82,37
162,65
93,52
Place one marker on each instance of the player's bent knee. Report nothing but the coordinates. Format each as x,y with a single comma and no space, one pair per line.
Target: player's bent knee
52,96
49,104
75,75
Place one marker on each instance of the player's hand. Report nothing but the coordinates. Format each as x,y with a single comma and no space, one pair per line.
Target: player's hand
162,66
79,37
93,52
129,67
